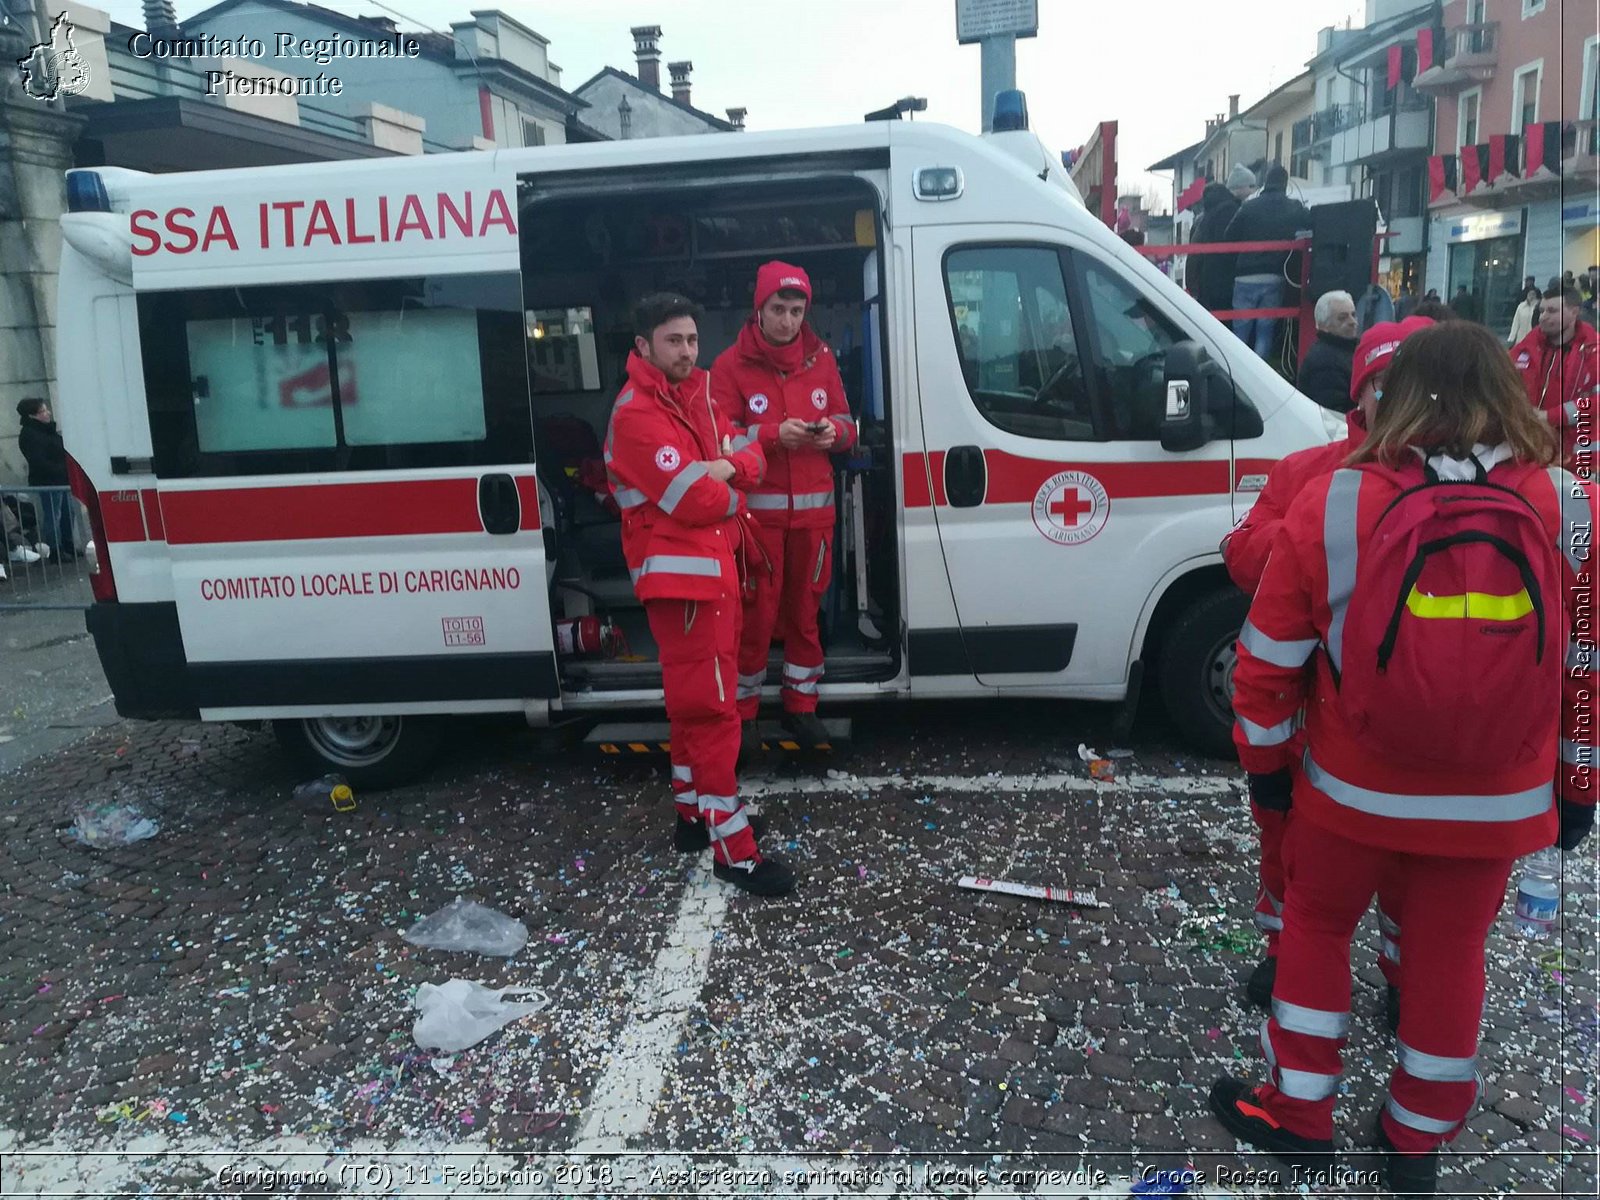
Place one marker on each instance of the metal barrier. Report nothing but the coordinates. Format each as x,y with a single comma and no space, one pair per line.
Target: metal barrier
42,564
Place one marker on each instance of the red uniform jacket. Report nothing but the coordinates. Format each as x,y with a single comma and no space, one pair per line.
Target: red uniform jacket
1245,550
757,397
680,527
1560,380
1284,665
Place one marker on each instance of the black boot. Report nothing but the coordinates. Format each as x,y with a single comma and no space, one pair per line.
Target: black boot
1243,1115
1391,1007
1407,1174
692,836
1259,988
807,728
749,744
769,877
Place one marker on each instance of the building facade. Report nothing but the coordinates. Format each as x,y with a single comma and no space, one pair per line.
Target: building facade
1513,181
624,106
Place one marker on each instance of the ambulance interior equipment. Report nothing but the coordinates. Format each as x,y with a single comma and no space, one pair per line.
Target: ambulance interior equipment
590,250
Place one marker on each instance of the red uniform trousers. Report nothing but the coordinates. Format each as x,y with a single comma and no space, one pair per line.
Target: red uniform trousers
696,640
1274,873
786,602
1450,903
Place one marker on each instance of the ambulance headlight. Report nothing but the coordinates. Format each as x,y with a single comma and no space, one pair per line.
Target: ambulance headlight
1333,424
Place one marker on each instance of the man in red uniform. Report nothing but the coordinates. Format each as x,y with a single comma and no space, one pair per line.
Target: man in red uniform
678,480
1560,366
779,383
1245,552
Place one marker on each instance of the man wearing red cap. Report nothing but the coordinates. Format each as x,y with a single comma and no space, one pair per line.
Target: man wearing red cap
1245,552
780,384
680,484
1559,362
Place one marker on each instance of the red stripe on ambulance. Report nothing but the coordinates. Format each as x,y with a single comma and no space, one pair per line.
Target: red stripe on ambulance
1016,480
330,510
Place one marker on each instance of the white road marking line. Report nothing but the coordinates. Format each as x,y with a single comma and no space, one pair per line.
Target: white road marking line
1206,785
625,1096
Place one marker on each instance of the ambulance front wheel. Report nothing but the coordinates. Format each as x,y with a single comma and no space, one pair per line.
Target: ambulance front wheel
1197,663
371,752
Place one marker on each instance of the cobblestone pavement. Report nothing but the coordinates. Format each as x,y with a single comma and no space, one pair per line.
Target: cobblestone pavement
238,982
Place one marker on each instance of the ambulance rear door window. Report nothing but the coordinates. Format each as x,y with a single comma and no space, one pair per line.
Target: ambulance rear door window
354,375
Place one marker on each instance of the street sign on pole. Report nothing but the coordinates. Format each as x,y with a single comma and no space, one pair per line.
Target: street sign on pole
980,19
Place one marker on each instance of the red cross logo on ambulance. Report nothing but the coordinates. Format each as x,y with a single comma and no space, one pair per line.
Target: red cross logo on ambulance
819,398
758,403
668,458
1070,508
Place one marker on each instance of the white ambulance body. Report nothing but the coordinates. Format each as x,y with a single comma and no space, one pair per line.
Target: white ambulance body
330,423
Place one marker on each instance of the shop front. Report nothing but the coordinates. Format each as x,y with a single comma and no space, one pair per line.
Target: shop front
1485,256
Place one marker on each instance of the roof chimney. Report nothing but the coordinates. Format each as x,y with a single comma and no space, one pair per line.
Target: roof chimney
160,18
680,80
1233,106
647,49
736,118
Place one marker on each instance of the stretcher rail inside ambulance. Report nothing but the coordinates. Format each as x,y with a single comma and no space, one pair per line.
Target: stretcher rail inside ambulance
403,369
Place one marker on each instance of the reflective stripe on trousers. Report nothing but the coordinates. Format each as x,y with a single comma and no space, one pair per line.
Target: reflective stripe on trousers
801,679
1513,806
1268,922
750,685
1297,1085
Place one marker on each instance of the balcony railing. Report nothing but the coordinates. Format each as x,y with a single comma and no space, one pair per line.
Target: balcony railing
1468,56
1311,132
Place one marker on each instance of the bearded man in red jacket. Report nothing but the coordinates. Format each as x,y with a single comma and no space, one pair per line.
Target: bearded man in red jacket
680,482
1559,362
780,383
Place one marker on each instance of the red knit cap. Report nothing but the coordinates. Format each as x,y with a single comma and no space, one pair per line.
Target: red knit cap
774,276
1377,347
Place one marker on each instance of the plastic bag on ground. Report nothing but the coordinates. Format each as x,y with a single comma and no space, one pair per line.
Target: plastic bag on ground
461,1013
104,825
467,925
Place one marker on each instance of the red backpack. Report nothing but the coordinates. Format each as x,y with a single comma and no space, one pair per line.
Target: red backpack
1452,644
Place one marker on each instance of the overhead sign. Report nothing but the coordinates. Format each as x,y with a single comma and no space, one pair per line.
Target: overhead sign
1483,226
980,19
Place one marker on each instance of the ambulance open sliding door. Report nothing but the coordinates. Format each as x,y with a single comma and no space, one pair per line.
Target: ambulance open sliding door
347,490
1040,368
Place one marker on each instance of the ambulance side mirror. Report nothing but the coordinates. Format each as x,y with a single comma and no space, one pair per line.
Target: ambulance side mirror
1186,422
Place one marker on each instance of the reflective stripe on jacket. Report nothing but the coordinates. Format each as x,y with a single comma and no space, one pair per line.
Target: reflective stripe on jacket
1293,640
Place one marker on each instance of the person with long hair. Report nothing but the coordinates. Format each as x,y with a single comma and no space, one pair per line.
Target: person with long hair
1527,313
1426,614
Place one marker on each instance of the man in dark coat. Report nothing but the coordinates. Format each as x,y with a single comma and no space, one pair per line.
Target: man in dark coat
1210,276
1325,370
1258,277
46,456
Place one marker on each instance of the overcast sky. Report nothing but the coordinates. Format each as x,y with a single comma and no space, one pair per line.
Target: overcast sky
1157,67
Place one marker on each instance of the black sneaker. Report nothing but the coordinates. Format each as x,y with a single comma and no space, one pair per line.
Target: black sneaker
1259,987
807,728
1407,1174
691,836
749,744
769,877
1243,1115
1391,1007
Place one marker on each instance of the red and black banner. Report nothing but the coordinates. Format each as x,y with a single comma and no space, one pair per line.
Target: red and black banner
1430,48
1190,196
1474,165
1502,155
1541,146
1402,65
1441,176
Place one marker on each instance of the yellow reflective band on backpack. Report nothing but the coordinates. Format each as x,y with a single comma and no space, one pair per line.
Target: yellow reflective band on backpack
1480,606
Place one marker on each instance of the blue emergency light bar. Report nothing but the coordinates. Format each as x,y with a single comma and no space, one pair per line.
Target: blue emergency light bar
1010,111
86,192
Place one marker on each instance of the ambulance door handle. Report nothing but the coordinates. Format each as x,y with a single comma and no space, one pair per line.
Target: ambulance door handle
498,504
966,476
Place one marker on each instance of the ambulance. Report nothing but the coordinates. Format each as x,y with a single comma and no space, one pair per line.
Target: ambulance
334,426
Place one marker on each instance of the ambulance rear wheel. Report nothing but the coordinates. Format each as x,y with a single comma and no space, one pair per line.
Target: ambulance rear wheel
371,752
1197,664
